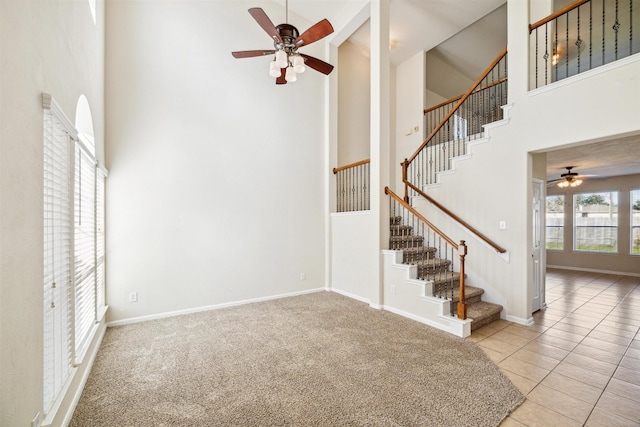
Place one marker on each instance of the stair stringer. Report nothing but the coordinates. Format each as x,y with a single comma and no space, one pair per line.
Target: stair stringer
470,146
412,298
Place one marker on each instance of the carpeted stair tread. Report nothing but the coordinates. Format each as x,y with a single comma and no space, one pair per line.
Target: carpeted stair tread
401,230
417,253
440,278
483,313
401,242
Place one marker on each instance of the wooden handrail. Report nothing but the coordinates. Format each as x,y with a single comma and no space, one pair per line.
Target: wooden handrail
407,206
554,15
457,219
351,165
449,101
458,104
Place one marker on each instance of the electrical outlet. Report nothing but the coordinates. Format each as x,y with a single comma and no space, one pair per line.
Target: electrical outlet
393,289
503,225
133,297
303,276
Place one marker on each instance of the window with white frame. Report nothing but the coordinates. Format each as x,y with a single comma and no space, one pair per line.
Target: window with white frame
595,226
635,222
73,250
555,222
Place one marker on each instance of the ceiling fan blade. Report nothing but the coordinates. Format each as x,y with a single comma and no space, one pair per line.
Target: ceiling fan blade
315,33
317,64
263,20
281,80
252,53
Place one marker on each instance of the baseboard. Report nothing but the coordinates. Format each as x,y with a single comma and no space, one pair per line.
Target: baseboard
520,320
594,270
209,307
350,295
420,319
83,380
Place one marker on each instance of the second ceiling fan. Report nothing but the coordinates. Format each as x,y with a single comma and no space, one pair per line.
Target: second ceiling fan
288,62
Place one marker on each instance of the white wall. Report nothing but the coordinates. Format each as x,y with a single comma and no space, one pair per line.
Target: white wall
51,47
410,104
443,79
352,241
215,191
354,100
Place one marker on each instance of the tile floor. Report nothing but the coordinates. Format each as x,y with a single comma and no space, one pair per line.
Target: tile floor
579,364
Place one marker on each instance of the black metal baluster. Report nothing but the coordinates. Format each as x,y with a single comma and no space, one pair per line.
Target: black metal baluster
603,34
616,27
566,44
630,27
578,41
590,35
537,53
555,58
450,269
546,54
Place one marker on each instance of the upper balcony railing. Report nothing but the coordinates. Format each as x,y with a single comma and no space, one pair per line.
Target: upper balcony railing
582,36
352,186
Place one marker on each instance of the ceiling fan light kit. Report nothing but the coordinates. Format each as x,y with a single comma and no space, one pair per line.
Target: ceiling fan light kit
569,179
288,62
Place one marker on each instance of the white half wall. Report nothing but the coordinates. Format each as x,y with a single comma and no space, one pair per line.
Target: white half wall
351,258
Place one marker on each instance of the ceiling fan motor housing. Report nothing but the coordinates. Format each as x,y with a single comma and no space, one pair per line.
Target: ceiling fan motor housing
288,34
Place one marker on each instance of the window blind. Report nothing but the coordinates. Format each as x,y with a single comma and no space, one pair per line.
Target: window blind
84,247
100,241
57,258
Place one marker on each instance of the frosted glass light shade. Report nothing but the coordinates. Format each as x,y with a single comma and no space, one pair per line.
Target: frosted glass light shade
290,75
298,64
281,59
274,70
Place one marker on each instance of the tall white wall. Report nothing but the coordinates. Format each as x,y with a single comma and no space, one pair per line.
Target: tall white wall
354,100
215,191
409,118
52,47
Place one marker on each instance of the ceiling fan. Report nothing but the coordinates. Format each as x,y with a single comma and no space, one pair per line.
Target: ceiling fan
568,179
288,62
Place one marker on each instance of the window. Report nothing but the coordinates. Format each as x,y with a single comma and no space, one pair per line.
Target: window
73,251
635,222
596,222
555,222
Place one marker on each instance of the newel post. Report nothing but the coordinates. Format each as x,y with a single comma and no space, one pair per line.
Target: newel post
405,166
462,306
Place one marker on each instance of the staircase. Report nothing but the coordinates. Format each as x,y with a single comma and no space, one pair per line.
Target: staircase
430,268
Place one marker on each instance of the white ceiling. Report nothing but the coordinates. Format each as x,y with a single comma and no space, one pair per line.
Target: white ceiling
600,159
415,25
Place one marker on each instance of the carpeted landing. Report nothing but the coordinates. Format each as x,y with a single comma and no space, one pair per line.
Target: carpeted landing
313,360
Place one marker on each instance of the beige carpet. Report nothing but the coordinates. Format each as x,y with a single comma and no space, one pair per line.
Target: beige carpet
314,360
